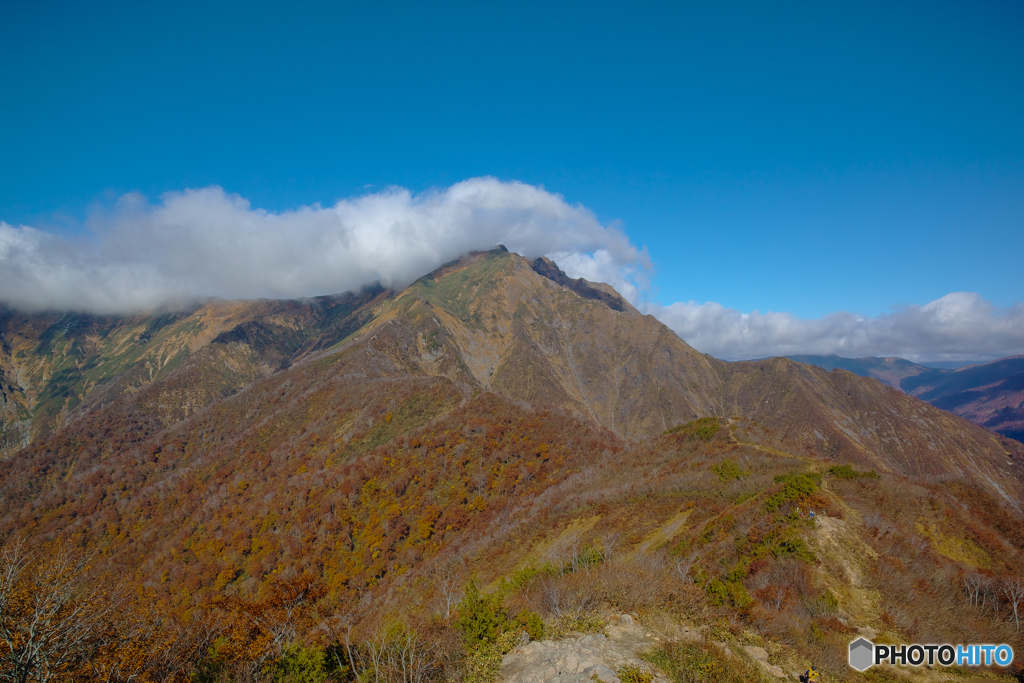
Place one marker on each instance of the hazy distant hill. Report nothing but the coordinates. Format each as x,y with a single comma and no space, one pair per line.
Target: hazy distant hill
988,394
889,370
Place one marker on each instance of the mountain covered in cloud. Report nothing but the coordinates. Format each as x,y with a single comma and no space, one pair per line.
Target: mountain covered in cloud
199,243
988,394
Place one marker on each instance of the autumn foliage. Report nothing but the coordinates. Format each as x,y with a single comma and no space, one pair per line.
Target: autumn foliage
321,529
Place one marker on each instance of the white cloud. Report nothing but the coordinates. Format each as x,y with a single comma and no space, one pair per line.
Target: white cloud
208,243
961,325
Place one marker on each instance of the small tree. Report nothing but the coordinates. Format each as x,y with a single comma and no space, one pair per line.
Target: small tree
609,541
1012,589
977,588
684,566
448,584
395,654
51,622
480,617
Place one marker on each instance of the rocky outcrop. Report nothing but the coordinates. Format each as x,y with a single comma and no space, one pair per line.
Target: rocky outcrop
760,655
582,659
601,656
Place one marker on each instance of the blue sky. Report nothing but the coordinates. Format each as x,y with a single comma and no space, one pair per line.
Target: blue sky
804,158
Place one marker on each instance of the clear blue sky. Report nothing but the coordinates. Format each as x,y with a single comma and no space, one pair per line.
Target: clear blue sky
791,156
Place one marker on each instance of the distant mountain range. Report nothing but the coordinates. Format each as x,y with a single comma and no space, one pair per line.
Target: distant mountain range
988,394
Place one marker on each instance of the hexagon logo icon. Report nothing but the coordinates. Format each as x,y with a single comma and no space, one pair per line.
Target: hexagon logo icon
862,654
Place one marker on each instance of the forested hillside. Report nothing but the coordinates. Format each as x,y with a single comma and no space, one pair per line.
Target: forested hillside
385,482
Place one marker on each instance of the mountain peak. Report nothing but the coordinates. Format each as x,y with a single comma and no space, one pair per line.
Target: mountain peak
503,322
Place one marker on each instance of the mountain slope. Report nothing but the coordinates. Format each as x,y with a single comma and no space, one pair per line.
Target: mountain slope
51,363
490,419
491,321
988,394
861,420
380,490
507,327
889,370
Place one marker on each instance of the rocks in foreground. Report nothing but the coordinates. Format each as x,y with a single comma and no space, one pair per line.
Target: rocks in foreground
582,659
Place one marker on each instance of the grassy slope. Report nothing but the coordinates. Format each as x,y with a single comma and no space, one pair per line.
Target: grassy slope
860,420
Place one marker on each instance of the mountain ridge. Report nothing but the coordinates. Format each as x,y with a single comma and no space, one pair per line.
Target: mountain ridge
989,394
499,322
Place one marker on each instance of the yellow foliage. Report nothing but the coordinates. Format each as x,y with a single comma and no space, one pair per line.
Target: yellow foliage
957,549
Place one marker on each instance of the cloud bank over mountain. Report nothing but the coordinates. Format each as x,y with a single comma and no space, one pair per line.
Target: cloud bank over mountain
206,242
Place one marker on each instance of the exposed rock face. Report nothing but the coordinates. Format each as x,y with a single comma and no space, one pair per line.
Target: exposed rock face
760,655
581,659
548,269
599,656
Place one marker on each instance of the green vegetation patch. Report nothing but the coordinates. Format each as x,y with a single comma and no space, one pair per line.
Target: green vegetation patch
454,291
634,674
489,633
703,428
482,618
569,624
729,592
796,486
728,470
702,662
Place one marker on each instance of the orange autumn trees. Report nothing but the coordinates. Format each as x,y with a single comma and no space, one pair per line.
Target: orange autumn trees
196,518
55,625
